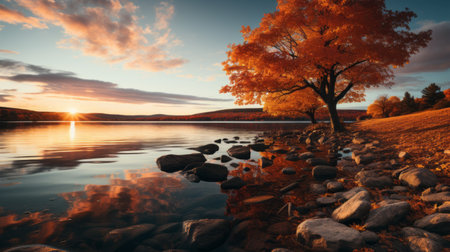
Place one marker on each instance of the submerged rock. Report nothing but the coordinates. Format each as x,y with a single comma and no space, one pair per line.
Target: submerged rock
241,152
207,149
265,162
205,234
233,183
328,234
173,163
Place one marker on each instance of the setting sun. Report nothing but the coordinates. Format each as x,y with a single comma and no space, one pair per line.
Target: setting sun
73,111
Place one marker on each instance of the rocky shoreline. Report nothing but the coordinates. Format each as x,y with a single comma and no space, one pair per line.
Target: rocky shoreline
310,190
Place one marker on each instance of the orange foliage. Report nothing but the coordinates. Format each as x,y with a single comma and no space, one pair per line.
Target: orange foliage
385,107
316,44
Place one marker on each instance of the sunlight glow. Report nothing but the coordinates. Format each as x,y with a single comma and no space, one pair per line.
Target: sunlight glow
73,111
72,131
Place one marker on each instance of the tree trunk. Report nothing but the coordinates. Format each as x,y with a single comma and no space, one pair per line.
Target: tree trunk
334,118
312,116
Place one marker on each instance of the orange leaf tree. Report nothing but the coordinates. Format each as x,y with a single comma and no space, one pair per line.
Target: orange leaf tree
337,48
304,102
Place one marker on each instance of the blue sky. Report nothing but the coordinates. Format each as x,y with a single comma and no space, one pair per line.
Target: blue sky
163,56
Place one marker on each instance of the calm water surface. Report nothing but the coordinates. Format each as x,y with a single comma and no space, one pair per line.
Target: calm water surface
58,180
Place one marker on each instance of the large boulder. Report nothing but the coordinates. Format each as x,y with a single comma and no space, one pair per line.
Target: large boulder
119,237
355,208
233,183
388,213
241,152
207,149
211,172
328,234
436,197
205,234
324,172
420,240
173,163
437,223
418,177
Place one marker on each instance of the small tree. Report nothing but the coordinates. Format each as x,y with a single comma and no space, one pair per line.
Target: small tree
384,107
296,104
432,94
336,48
394,106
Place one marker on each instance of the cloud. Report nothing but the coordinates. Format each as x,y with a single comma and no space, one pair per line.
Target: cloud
435,57
8,51
68,84
15,17
5,98
109,29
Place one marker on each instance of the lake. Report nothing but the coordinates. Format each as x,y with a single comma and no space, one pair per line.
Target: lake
64,183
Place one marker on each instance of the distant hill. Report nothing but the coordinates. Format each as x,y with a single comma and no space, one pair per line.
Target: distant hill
244,114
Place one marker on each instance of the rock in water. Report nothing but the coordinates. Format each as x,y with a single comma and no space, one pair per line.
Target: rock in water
211,172
233,183
328,234
241,152
119,237
418,177
437,223
355,208
225,159
205,234
288,171
324,172
387,214
265,162
258,147
207,149
173,163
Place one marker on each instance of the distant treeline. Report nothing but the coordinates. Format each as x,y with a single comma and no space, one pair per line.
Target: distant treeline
13,114
432,98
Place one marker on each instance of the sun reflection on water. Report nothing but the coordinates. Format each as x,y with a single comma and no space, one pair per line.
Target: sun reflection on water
72,131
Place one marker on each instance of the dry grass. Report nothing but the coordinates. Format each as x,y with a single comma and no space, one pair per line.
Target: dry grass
424,135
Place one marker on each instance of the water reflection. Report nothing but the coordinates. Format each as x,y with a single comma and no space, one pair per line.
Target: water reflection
72,131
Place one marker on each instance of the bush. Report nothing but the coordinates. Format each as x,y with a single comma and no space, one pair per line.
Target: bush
444,103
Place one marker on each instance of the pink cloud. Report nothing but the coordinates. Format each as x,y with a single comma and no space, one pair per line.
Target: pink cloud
15,17
109,29
8,51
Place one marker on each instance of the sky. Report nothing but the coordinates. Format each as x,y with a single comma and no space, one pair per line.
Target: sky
160,57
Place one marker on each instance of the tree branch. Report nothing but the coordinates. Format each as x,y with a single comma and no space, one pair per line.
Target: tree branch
350,66
344,92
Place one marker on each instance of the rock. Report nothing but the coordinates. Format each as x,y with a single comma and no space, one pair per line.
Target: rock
317,188
364,159
422,241
168,228
358,140
233,183
325,201
396,173
225,159
281,250
306,155
281,228
211,172
192,178
289,187
447,152
324,172
436,197
404,155
442,188
437,223
207,149
218,141
316,161
418,178
163,242
370,237
241,152
400,188
373,178
173,163
230,141
322,139
246,169
350,193
292,157
387,214
236,138
327,234
444,208
288,171
119,237
335,186
258,199
265,162
258,147
205,234
356,208
234,165
191,166
34,248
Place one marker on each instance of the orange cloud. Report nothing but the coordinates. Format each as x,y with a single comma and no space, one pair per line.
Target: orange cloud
8,51
15,17
107,29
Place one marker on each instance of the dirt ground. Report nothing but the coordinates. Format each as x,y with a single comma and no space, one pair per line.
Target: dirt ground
424,135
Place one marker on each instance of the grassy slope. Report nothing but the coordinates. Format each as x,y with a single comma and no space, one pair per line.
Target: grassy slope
424,135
